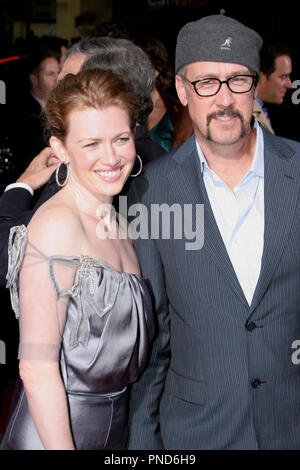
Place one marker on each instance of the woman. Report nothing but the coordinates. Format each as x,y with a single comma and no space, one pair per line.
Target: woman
169,122
85,312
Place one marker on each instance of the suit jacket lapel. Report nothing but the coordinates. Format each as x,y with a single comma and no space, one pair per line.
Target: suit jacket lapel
282,179
188,187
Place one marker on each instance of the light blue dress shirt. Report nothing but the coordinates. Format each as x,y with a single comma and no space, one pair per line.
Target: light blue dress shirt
239,214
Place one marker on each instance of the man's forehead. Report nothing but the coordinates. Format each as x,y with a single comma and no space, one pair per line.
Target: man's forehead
215,68
49,62
283,61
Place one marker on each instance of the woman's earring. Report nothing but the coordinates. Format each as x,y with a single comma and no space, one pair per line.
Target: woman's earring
65,174
141,167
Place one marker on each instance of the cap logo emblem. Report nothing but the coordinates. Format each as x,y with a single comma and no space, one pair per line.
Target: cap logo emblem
227,44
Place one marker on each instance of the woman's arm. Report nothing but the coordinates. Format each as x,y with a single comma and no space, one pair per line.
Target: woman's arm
42,320
47,402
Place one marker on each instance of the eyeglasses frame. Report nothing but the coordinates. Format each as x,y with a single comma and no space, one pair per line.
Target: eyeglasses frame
254,82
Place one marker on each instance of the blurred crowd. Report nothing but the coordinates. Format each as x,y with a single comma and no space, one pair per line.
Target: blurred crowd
30,78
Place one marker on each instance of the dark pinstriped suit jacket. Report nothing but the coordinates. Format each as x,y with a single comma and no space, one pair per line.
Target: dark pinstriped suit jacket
221,374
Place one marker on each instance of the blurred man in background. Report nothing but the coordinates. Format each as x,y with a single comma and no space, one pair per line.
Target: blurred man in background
43,70
275,71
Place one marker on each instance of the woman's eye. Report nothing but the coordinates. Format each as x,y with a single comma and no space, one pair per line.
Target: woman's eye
90,145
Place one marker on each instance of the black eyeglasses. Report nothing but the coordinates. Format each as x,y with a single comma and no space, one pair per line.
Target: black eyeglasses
211,86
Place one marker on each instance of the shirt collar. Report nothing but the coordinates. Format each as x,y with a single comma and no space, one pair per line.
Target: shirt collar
41,102
257,166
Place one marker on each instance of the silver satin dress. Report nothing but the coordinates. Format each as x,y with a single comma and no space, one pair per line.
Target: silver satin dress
106,338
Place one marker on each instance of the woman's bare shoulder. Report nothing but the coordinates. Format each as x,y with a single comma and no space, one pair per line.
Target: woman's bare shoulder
56,229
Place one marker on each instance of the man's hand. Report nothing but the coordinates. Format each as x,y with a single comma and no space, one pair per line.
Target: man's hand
40,169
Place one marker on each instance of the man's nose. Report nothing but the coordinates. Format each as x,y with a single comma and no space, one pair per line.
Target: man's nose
224,97
288,83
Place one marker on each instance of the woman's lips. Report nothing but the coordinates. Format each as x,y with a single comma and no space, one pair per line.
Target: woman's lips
109,175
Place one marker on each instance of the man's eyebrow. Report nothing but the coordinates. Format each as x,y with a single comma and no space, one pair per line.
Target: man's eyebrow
214,75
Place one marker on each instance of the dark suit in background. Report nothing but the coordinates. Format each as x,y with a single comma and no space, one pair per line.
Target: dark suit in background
30,139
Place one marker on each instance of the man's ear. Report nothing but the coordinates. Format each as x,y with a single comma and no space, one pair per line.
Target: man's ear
59,149
262,78
181,91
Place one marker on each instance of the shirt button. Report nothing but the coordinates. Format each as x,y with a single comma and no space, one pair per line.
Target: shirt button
251,326
256,383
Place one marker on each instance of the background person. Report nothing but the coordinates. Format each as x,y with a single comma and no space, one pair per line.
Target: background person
43,68
274,82
169,122
275,72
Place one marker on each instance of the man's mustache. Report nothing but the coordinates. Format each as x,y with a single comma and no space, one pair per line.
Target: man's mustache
225,112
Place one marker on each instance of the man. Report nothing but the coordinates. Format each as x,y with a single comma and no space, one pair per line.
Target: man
221,374
43,69
275,71
43,73
134,67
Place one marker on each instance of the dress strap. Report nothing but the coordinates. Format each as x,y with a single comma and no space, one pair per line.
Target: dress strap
16,250
85,283
80,332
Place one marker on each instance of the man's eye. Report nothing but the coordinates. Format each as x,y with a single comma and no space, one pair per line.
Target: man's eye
239,79
207,82
123,139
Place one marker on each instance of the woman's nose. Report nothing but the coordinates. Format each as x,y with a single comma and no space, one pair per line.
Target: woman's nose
109,156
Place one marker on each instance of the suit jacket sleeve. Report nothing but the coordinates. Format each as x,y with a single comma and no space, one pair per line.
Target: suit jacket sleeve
144,425
15,204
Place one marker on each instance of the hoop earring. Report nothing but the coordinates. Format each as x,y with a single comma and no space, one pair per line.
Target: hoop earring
57,175
141,167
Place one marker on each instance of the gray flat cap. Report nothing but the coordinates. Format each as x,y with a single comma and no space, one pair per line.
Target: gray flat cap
218,38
